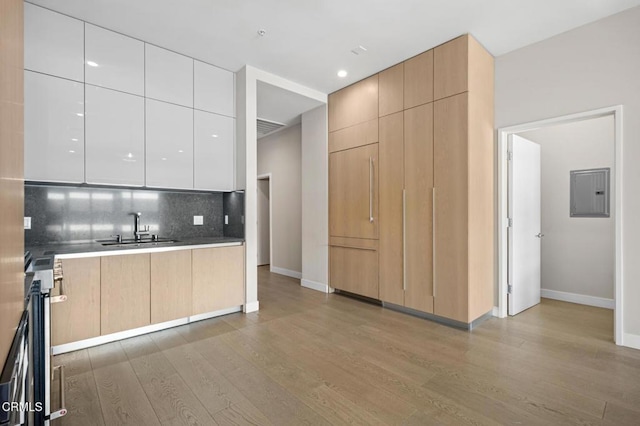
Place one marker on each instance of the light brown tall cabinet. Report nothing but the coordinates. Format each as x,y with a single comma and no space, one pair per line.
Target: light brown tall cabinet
430,244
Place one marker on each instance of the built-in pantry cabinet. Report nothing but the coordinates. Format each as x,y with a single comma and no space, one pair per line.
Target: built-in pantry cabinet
432,183
153,117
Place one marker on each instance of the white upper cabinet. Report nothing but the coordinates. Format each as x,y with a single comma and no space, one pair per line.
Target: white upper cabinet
213,151
214,89
113,60
169,76
115,137
53,129
169,153
53,43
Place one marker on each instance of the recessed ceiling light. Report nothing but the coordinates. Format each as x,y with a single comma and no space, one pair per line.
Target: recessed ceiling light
164,159
79,114
342,73
75,140
180,150
130,155
92,64
214,136
71,151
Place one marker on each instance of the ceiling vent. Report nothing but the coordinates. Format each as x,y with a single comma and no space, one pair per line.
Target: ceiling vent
266,127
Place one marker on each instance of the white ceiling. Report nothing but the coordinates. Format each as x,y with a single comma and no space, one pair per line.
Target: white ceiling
308,41
280,105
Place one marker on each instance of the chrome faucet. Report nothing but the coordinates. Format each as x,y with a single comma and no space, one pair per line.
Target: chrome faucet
139,231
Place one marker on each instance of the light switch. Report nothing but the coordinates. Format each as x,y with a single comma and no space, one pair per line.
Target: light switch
226,219
27,222
198,220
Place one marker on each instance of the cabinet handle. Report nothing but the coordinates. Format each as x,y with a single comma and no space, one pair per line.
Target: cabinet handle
61,297
63,390
433,240
404,239
370,189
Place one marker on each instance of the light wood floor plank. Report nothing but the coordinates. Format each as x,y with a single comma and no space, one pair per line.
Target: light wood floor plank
312,358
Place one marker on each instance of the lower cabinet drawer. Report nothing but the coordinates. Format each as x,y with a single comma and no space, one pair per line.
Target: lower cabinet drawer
355,270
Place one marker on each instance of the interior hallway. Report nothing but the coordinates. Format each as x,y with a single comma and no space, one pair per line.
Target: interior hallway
311,358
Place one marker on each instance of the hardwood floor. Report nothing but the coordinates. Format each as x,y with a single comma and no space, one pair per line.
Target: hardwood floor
311,358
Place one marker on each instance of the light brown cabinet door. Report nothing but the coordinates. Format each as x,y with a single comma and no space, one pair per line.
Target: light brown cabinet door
77,318
392,171
218,278
418,178
170,285
450,68
418,80
354,270
353,192
354,104
391,90
451,207
125,292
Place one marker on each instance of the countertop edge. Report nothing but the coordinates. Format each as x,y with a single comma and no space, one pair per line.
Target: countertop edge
145,250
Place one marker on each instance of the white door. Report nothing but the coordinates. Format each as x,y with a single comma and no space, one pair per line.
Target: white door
264,237
525,234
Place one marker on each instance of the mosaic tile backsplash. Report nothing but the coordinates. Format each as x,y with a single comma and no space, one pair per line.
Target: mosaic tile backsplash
80,214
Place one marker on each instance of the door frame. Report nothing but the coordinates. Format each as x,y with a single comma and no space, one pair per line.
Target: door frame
502,220
269,177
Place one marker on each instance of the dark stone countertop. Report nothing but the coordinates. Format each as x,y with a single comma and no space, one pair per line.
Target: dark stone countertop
86,248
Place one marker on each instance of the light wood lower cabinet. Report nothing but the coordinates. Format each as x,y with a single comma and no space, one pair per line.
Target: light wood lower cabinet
354,268
125,292
170,285
77,318
218,278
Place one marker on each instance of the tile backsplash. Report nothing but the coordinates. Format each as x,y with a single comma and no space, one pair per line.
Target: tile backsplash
81,214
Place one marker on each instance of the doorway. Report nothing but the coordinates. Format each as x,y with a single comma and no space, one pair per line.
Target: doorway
264,220
563,227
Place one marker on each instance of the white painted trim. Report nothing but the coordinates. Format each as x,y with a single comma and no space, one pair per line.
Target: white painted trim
495,312
252,307
503,135
314,285
631,340
155,249
581,299
101,340
287,272
269,177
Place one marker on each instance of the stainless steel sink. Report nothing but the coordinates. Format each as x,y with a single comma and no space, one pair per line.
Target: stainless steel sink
140,243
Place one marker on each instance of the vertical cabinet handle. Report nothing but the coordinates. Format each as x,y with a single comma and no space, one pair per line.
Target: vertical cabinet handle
370,189
404,239
433,240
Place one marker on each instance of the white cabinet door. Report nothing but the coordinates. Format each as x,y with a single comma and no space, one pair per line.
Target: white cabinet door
213,151
53,129
113,60
169,148
213,89
115,137
168,76
53,43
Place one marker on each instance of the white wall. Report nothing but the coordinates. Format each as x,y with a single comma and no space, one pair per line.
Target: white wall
591,67
315,199
577,253
280,155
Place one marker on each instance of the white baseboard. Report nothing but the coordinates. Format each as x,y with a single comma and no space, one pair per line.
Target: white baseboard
581,299
314,285
287,272
251,307
631,340
495,312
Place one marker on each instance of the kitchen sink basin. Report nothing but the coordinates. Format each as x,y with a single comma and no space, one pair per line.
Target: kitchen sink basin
140,243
